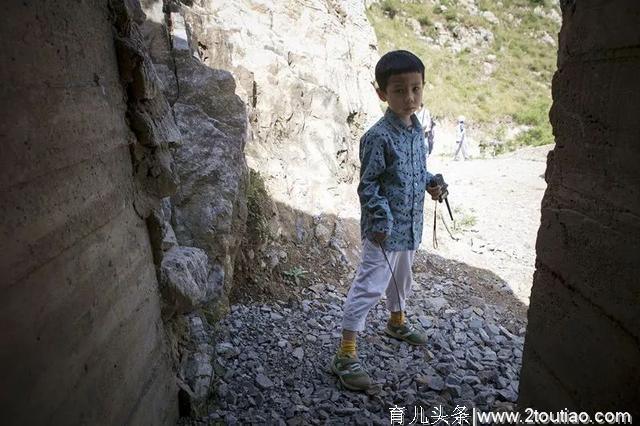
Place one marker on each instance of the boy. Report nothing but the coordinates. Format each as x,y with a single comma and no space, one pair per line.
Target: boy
393,179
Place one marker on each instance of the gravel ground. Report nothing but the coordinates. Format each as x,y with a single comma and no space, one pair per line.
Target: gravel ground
496,205
272,360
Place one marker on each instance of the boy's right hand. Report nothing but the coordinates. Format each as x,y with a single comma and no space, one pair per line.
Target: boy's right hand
435,192
379,237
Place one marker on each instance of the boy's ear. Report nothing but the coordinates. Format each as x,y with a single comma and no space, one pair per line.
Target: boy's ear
381,95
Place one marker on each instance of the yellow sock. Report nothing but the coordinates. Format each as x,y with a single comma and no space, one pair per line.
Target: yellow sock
348,347
397,318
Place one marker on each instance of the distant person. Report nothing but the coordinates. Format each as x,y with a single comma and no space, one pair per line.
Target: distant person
393,183
424,117
460,140
427,123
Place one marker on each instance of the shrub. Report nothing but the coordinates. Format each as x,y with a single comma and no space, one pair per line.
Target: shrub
257,202
425,21
389,8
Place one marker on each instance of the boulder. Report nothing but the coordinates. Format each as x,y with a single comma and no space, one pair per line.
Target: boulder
489,16
209,207
184,278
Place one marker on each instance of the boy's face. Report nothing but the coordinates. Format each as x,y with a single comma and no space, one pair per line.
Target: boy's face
403,94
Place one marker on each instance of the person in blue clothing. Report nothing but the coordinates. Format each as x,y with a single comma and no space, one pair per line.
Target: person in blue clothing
393,181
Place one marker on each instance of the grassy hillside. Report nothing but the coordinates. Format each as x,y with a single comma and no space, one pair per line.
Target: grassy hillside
491,61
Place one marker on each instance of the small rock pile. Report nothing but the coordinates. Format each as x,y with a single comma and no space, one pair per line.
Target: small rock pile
272,361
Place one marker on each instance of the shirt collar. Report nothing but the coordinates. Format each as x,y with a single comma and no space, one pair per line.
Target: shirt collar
395,121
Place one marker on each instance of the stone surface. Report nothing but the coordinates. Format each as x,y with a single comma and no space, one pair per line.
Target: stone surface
489,16
82,338
263,381
209,208
184,278
437,303
202,224
305,74
283,366
148,112
581,348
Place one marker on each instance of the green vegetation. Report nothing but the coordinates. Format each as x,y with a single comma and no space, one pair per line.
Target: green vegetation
535,114
388,7
517,90
467,221
257,199
295,273
464,219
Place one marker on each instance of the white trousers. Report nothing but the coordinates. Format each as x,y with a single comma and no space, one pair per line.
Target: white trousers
461,146
372,279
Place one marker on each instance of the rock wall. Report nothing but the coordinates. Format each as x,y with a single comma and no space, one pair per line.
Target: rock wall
582,348
82,337
198,231
209,209
304,70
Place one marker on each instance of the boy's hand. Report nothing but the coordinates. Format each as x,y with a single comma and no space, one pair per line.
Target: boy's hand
379,237
435,192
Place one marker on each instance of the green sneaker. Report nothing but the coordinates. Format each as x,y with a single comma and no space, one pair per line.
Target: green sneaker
407,333
351,373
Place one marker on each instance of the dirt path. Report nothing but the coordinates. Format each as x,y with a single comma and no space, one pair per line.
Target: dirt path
496,206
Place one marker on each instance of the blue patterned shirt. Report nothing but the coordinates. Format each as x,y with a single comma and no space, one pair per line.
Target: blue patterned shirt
393,181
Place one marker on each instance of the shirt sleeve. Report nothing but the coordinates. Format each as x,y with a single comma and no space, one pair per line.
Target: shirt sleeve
428,176
372,167
428,181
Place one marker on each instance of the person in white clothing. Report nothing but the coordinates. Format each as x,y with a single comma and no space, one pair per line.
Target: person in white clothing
460,140
427,123
424,117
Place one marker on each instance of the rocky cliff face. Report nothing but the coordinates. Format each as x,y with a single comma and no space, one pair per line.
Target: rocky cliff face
582,346
208,211
304,70
292,82
84,158
197,231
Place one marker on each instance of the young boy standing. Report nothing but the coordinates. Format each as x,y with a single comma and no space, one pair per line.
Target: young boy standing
393,180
